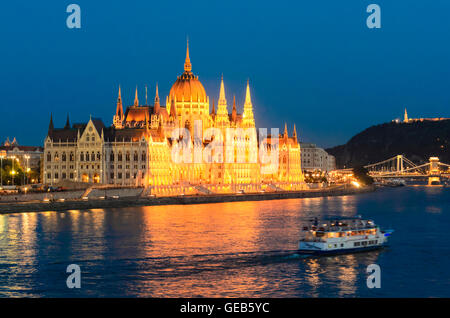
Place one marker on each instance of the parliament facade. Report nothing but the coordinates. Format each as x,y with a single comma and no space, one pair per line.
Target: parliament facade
184,147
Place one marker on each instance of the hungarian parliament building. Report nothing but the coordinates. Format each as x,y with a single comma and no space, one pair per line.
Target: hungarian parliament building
185,147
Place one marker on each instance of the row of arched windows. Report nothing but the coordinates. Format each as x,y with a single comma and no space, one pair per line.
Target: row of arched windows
119,156
64,156
92,157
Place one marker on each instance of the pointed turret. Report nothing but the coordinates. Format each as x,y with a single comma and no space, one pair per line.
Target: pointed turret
222,99
157,103
187,62
285,134
136,100
405,118
222,108
67,126
247,116
50,125
118,117
248,99
234,111
294,134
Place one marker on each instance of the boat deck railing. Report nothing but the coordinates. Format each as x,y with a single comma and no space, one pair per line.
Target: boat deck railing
339,228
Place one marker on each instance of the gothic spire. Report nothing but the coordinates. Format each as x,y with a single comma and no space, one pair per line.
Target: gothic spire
285,135
248,99
119,109
67,126
146,103
136,100
187,62
247,116
157,103
50,126
222,98
222,117
118,117
294,134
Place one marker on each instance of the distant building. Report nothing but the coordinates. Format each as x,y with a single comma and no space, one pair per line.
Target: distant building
408,120
331,163
315,158
29,156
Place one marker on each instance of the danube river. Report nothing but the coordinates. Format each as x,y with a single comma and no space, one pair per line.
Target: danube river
241,249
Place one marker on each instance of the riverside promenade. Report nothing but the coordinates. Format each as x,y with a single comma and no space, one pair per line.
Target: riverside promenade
96,203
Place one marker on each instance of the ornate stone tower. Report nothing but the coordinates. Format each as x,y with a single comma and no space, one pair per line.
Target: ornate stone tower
222,119
118,117
247,117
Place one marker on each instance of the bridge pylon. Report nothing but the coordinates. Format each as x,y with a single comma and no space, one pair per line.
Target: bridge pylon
400,163
434,166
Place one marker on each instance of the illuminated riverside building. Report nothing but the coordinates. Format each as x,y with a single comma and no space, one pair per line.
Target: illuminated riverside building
188,146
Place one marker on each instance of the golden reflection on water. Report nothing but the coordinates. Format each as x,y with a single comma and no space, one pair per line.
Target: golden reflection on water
236,239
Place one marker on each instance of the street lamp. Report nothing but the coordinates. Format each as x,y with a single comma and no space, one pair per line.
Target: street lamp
12,171
27,157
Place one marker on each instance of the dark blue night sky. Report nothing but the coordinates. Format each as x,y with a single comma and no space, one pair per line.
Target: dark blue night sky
313,63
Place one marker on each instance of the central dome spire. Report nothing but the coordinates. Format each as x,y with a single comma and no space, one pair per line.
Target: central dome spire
188,89
187,62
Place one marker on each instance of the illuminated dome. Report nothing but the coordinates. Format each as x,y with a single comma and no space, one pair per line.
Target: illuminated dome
187,85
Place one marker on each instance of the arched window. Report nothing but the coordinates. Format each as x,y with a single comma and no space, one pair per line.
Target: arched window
56,156
63,156
127,156
87,156
71,156
111,156
98,156
49,156
135,157
93,156
82,156
144,156
119,157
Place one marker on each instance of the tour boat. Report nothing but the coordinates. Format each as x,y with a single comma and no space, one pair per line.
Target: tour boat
341,235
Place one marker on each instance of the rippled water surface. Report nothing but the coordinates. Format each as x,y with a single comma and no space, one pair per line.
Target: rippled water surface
242,249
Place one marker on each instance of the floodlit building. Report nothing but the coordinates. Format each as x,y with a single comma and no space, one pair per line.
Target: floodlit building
28,156
186,146
315,158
